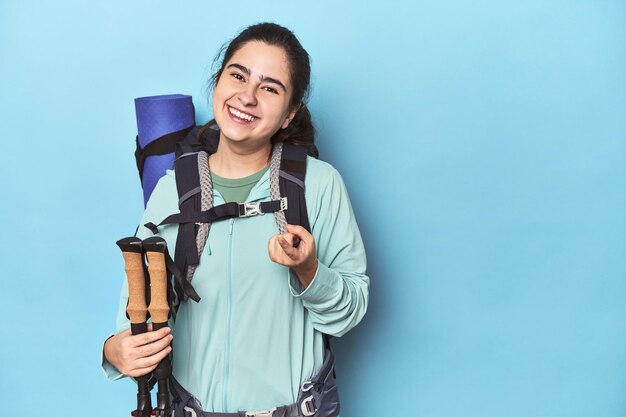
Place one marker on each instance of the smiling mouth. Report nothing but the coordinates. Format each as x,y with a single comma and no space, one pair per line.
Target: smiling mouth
240,116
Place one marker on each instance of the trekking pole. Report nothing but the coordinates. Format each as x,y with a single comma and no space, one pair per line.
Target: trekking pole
137,311
159,311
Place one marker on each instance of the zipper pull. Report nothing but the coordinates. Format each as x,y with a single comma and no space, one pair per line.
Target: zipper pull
230,227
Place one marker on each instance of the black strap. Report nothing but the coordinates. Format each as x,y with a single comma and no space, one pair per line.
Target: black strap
297,166
160,146
186,286
187,179
221,212
293,163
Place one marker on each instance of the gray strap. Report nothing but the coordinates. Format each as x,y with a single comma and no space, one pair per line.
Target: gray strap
281,221
186,154
206,202
188,194
291,178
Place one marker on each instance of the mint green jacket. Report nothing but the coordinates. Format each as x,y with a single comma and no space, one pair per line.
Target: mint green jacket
256,335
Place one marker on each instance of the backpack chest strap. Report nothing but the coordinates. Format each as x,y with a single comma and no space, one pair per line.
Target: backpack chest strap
223,212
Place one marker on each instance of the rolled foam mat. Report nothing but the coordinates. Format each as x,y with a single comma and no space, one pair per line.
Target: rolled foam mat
158,116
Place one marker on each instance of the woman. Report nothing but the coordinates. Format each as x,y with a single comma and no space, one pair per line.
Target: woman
257,333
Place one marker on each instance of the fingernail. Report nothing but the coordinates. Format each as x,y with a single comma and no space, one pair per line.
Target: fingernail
167,330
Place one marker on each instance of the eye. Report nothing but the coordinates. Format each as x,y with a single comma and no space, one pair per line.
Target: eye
237,76
270,89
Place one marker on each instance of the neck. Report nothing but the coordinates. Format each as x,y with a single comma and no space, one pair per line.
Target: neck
233,161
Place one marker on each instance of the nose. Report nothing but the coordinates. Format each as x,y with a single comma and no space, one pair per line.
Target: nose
247,96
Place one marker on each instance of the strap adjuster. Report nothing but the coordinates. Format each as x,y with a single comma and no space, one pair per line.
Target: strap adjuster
283,204
307,406
264,413
190,412
250,209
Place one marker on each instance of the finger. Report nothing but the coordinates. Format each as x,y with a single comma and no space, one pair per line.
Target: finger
273,247
289,250
289,237
141,372
152,360
154,347
301,232
149,337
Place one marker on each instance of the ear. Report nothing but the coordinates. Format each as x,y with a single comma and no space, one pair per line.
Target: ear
290,116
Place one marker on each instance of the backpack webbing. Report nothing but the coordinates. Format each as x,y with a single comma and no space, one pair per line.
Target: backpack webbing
160,146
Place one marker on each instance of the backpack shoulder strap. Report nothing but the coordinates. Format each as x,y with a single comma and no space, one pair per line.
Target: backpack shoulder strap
195,194
291,184
198,138
189,200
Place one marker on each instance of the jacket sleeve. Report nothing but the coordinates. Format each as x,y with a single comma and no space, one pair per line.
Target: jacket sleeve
337,297
122,322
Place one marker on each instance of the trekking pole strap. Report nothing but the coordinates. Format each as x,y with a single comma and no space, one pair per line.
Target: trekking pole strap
185,285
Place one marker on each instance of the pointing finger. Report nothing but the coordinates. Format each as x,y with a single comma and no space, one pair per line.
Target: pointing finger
300,232
296,229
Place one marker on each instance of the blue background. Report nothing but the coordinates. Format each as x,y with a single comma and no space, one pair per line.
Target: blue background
484,147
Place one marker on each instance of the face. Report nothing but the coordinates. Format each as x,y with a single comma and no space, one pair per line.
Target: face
251,97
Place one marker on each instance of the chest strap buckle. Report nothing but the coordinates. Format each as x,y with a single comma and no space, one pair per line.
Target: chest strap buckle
262,207
250,209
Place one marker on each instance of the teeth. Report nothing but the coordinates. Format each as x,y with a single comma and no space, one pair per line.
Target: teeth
241,115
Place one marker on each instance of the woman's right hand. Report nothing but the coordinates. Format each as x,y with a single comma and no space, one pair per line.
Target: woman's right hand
138,355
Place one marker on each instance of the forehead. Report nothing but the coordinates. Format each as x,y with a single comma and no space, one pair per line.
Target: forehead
263,59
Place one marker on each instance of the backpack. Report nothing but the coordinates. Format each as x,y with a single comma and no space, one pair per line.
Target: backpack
194,187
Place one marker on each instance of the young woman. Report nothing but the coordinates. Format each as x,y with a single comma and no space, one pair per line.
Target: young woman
257,333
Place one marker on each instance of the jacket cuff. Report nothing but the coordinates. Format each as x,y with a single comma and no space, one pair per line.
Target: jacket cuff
323,287
110,371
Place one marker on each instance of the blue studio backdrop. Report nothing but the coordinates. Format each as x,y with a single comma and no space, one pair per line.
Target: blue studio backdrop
483,145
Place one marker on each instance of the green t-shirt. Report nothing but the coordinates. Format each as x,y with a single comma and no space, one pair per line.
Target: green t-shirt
236,189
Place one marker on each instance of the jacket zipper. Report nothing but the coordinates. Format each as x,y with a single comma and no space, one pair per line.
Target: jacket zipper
228,311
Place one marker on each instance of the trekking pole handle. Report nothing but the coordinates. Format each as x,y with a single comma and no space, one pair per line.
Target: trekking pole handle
159,311
155,252
137,311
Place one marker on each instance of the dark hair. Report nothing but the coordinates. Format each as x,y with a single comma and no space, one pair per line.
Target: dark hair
300,130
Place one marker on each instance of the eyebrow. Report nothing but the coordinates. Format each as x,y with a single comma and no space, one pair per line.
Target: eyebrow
261,77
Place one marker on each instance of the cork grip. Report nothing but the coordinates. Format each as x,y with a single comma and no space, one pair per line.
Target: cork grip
133,259
136,309
159,309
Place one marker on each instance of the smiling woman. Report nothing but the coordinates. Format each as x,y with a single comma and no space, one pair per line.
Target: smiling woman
250,102
258,339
